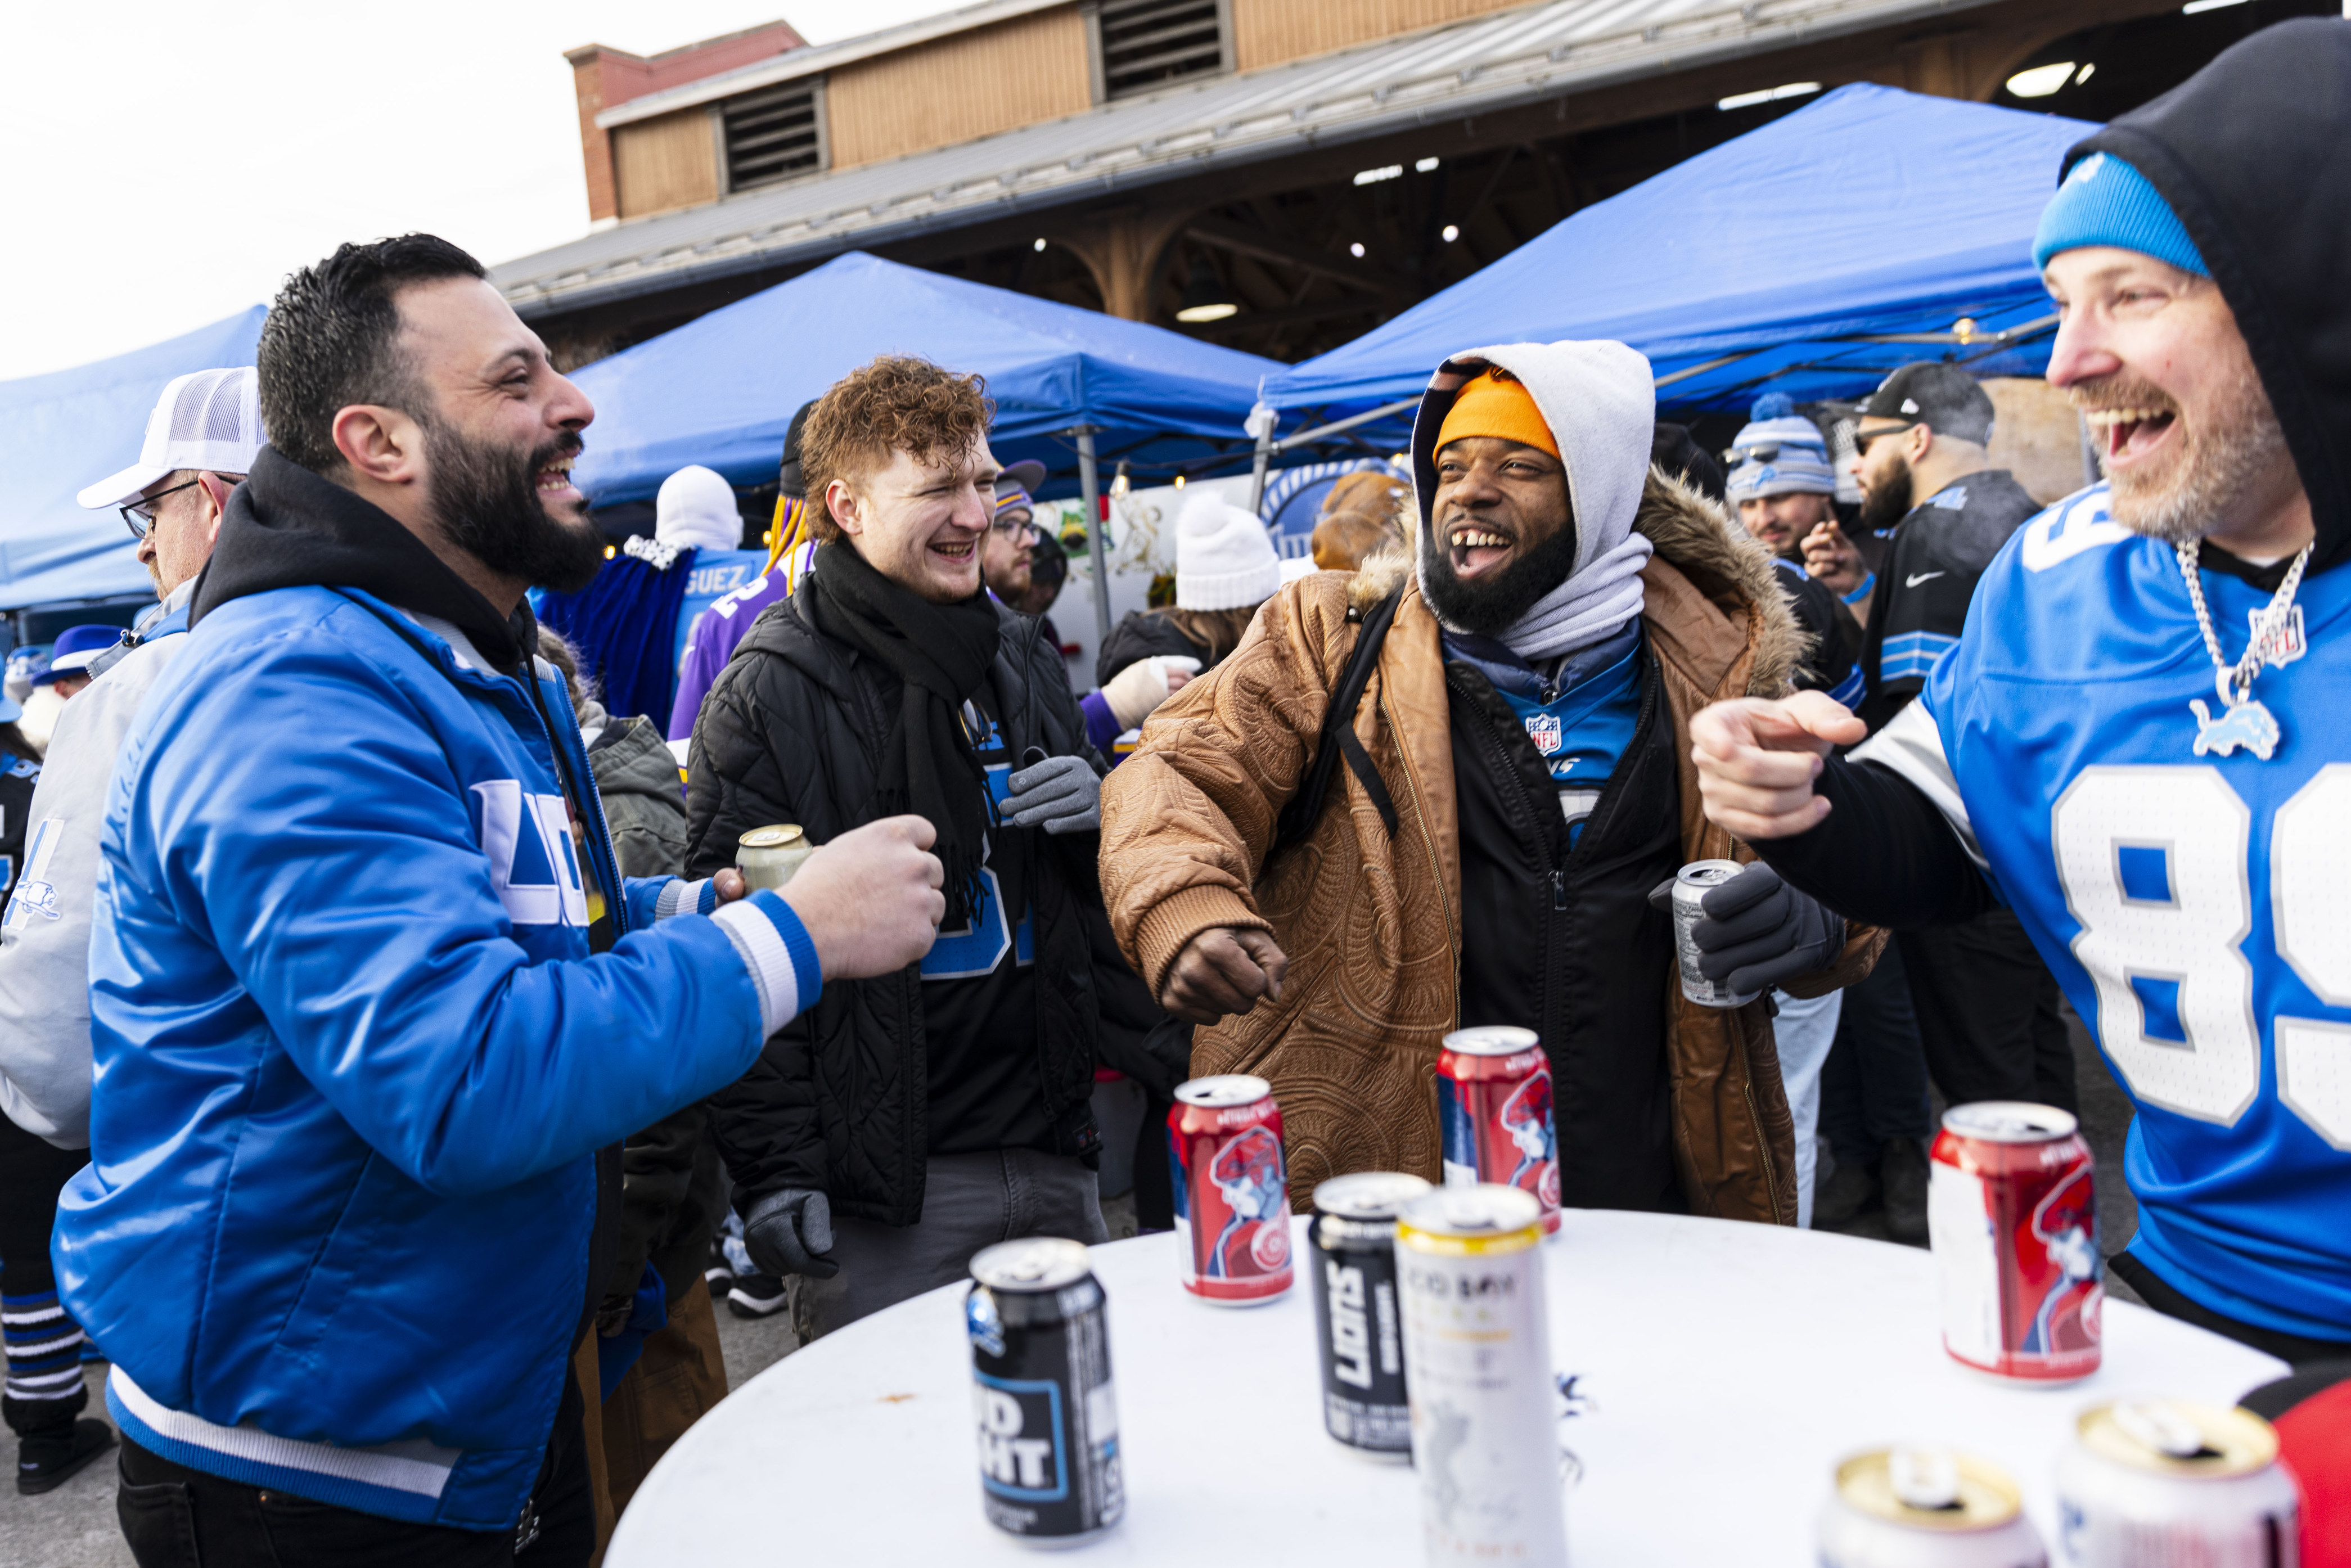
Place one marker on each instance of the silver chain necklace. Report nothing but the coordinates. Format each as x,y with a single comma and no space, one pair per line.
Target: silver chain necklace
2241,720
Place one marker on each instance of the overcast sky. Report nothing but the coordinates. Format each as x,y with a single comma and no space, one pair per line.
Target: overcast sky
164,164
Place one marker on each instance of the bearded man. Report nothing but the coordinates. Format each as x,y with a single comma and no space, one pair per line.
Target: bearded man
1416,800
2139,743
372,1006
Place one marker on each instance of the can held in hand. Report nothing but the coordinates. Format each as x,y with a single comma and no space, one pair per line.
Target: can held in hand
1925,1508
2158,1481
1048,1455
769,856
2012,1214
1350,1251
1691,883
1232,1190
1493,1103
1477,1361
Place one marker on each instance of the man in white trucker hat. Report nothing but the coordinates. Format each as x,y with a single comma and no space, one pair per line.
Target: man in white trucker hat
201,442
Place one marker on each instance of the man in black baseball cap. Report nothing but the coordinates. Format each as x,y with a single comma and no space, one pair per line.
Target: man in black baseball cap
1987,1006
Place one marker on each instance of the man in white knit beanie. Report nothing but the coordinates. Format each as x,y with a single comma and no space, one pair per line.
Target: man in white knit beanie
1449,790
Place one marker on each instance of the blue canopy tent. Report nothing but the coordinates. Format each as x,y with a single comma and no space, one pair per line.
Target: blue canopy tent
1812,256
71,428
721,390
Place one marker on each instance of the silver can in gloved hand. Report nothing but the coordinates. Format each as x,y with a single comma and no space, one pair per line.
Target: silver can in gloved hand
1692,884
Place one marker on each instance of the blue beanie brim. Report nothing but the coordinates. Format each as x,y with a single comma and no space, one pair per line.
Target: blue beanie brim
2105,200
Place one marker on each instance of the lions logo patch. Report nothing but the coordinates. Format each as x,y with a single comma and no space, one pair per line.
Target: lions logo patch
1544,730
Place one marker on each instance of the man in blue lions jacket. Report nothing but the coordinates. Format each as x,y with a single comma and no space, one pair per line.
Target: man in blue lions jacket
372,1008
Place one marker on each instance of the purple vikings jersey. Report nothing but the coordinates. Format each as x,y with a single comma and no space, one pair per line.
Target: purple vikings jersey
2193,899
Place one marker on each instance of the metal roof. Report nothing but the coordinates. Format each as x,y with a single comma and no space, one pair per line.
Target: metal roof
1477,67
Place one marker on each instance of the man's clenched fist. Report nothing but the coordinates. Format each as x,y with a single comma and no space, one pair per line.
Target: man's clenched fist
1223,971
871,898
1757,761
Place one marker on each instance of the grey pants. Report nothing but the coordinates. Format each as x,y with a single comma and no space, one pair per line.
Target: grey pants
969,1201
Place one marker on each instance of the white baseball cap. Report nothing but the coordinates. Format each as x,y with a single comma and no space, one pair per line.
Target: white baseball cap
206,419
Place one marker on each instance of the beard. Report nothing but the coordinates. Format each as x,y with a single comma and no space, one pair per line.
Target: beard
485,499
2217,458
1488,608
1883,506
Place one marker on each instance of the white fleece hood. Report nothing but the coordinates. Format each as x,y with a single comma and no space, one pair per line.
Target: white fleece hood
1599,399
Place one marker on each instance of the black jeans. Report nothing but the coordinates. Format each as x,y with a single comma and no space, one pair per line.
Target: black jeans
1874,1084
174,1516
32,1174
1988,1013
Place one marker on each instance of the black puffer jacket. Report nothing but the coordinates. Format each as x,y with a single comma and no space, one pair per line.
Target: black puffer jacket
792,732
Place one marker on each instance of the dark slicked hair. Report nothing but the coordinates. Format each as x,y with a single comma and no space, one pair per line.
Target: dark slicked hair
330,341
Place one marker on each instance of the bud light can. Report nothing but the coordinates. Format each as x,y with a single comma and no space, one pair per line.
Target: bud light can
2159,1482
2013,1219
1493,1103
1048,1455
1925,1508
1476,1363
1232,1191
1352,1253
1691,884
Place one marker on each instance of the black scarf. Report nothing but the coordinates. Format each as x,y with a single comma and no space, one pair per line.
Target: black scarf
941,653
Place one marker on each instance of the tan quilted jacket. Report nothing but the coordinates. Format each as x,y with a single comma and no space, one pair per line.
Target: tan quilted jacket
1372,925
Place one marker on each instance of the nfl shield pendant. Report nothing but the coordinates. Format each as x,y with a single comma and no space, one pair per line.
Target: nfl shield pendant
2246,724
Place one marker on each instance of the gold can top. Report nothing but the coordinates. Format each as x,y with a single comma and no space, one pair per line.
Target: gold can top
777,836
2178,1437
1928,1489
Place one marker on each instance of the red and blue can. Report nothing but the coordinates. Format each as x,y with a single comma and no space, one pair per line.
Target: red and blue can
1493,1103
1232,1190
2012,1212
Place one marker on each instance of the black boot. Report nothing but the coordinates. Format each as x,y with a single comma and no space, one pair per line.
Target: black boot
1852,1187
1902,1168
47,1459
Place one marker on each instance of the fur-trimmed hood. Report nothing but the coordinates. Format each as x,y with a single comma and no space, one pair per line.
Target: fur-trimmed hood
1699,539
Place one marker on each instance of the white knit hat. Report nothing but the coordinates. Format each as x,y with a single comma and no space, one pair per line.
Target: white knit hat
1224,557
696,507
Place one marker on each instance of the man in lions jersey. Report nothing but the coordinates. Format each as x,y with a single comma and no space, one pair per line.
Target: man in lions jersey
2140,744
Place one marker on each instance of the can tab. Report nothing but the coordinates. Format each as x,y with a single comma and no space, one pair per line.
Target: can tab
1924,1478
2162,1428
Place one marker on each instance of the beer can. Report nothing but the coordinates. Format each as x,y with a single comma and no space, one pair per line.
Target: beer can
1048,1455
1351,1254
1691,883
2013,1219
1477,1363
2148,1483
769,856
1925,1508
1493,1103
1232,1190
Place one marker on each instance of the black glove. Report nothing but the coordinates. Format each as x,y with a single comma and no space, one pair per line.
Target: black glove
788,1232
1757,932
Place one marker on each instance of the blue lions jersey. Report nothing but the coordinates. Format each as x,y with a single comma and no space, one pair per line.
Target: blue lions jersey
2193,899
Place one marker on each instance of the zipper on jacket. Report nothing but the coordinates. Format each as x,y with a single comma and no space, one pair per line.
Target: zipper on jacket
1420,821
1558,888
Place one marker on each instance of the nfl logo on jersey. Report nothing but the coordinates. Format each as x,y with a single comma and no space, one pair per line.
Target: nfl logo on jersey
1544,730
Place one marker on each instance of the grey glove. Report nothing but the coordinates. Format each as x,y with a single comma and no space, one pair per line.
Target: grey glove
788,1232
1062,792
1757,932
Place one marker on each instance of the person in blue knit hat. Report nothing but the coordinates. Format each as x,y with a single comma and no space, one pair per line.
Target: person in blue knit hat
2138,743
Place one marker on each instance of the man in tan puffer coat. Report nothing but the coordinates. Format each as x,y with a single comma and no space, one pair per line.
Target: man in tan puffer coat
1489,849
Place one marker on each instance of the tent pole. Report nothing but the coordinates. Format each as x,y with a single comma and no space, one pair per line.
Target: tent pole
1257,468
1090,487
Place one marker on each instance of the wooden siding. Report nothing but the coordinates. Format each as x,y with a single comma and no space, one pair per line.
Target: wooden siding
1268,32
967,85
665,163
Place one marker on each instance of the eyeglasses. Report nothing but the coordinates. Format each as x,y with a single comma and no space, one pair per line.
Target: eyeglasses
1014,523
140,514
1861,442
1766,453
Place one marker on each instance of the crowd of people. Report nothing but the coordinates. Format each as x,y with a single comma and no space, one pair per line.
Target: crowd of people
397,1066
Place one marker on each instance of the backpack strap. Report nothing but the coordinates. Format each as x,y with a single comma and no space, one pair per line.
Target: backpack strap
1338,740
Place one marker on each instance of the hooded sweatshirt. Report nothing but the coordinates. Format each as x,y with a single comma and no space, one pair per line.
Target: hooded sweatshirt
2174,862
